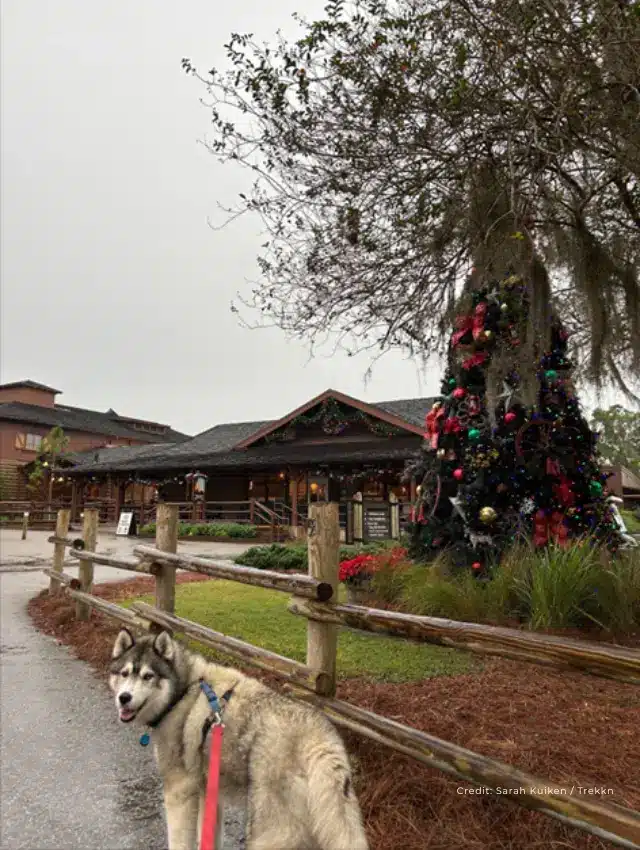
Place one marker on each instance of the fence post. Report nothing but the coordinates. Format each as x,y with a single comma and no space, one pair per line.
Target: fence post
167,540
324,549
25,524
85,571
62,529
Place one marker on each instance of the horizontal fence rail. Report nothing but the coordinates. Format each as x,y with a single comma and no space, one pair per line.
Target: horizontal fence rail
313,597
301,585
602,818
606,660
285,668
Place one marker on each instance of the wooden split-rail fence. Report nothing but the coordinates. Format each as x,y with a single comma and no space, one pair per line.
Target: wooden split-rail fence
314,596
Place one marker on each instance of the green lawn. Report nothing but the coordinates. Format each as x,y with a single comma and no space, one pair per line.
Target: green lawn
260,617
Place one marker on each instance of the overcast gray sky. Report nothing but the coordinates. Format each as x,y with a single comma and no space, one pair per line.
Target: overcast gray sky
114,288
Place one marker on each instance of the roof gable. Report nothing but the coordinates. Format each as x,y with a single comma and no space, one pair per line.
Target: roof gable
376,412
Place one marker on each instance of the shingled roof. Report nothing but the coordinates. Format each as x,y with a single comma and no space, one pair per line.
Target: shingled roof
214,448
31,385
80,419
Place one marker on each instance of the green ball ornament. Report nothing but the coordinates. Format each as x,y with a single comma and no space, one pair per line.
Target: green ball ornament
595,487
452,382
474,434
504,307
551,374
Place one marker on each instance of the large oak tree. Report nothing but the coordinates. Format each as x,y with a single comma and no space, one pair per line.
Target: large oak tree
403,150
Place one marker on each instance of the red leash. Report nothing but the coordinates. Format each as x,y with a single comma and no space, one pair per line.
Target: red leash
208,837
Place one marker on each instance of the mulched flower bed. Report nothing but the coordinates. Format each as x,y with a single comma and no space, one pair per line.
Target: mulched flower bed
563,728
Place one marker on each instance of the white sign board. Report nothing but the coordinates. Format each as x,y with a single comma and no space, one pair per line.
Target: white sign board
124,523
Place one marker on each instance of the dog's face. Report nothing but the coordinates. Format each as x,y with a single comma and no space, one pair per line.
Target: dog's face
142,676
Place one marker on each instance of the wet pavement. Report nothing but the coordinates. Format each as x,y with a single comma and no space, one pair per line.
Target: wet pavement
71,777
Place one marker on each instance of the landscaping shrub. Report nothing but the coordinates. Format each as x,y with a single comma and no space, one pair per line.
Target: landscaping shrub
293,557
632,521
229,530
575,587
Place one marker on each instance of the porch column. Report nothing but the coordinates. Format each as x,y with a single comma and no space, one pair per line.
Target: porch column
358,518
394,509
74,500
293,491
119,499
413,492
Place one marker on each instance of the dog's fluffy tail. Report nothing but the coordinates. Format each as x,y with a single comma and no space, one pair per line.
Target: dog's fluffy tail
335,814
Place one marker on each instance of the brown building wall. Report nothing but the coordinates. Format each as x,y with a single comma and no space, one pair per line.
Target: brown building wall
27,395
12,458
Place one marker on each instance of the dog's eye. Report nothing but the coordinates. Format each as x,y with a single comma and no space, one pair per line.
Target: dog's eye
124,674
147,677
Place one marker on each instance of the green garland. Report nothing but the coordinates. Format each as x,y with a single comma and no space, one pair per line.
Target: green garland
334,420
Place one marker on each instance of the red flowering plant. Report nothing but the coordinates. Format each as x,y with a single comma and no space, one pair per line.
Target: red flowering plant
358,570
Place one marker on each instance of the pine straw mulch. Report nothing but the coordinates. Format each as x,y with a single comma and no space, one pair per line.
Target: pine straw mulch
564,728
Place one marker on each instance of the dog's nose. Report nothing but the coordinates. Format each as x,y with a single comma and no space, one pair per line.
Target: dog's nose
124,698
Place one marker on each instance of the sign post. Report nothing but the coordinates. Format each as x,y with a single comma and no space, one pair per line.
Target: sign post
377,522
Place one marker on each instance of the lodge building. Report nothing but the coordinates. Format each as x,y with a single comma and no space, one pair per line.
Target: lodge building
328,449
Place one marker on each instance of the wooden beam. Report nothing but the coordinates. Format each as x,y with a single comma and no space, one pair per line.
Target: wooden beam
77,543
85,573
109,608
133,565
285,668
62,578
323,548
301,585
604,819
605,660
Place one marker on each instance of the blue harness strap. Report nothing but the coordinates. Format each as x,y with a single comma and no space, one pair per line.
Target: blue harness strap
215,718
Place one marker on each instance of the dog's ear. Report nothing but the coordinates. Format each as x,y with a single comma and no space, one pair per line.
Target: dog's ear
124,641
164,645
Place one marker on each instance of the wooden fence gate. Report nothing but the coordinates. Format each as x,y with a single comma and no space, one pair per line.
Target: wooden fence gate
314,596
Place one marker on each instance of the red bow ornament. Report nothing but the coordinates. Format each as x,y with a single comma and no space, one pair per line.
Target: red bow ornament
479,316
452,425
476,360
559,531
540,529
553,467
432,424
464,324
563,492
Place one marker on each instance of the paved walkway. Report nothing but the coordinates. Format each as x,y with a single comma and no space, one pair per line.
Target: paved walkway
71,777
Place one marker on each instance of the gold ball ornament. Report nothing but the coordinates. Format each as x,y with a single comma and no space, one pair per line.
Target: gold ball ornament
440,453
488,334
487,515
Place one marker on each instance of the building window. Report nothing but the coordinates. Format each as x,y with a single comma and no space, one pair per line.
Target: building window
34,442
29,442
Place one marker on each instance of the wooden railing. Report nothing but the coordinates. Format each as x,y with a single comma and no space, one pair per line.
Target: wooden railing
313,596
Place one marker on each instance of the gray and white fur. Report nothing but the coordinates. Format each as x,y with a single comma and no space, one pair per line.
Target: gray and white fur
281,759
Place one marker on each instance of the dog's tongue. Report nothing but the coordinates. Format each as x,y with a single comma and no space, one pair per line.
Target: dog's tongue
126,714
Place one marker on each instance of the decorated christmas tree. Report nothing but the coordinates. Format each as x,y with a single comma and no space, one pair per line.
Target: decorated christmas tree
507,451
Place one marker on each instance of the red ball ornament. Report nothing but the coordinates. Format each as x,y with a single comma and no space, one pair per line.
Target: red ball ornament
476,565
510,417
460,392
458,474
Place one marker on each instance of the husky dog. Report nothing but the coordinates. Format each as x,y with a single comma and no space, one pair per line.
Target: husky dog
281,760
